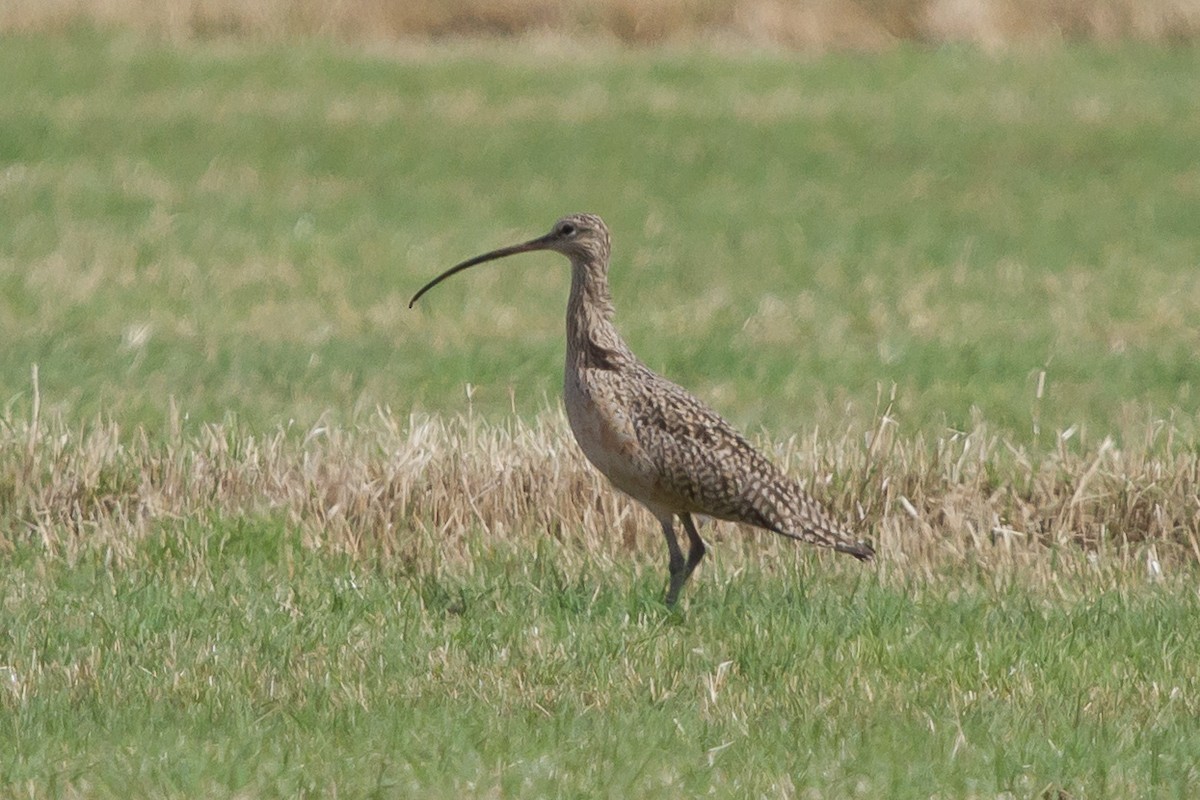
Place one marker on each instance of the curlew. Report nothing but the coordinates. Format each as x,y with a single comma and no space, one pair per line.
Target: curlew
652,439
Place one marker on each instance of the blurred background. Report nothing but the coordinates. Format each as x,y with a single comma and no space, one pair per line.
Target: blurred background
984,209
796,24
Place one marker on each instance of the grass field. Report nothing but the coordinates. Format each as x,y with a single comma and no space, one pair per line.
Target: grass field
230,661
955,292
240,230
432,609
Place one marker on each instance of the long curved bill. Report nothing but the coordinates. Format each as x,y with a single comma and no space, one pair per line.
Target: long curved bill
540,243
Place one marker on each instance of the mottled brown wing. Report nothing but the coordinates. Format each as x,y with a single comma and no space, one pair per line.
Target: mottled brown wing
711,469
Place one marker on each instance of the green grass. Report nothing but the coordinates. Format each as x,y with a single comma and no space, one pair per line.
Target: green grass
452,609
239,228
228,660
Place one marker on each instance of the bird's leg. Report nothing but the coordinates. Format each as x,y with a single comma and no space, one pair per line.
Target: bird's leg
696,551
677,567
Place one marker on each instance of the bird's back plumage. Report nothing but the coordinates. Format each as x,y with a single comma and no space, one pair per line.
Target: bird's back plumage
696,462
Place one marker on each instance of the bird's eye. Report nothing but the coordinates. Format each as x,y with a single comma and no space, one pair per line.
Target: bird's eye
566,229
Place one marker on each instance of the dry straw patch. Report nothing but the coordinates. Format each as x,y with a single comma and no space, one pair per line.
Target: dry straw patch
809,24
421,490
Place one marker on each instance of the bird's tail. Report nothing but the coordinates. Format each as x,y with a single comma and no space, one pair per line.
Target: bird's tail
809,522
837,539
782,505
860,550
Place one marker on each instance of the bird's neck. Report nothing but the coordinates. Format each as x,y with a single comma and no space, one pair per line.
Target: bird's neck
592,339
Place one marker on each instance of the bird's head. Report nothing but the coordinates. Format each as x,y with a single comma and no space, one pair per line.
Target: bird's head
579,237
583,238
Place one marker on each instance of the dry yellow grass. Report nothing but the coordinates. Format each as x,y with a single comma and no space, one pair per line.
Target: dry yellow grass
419,490
807,24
